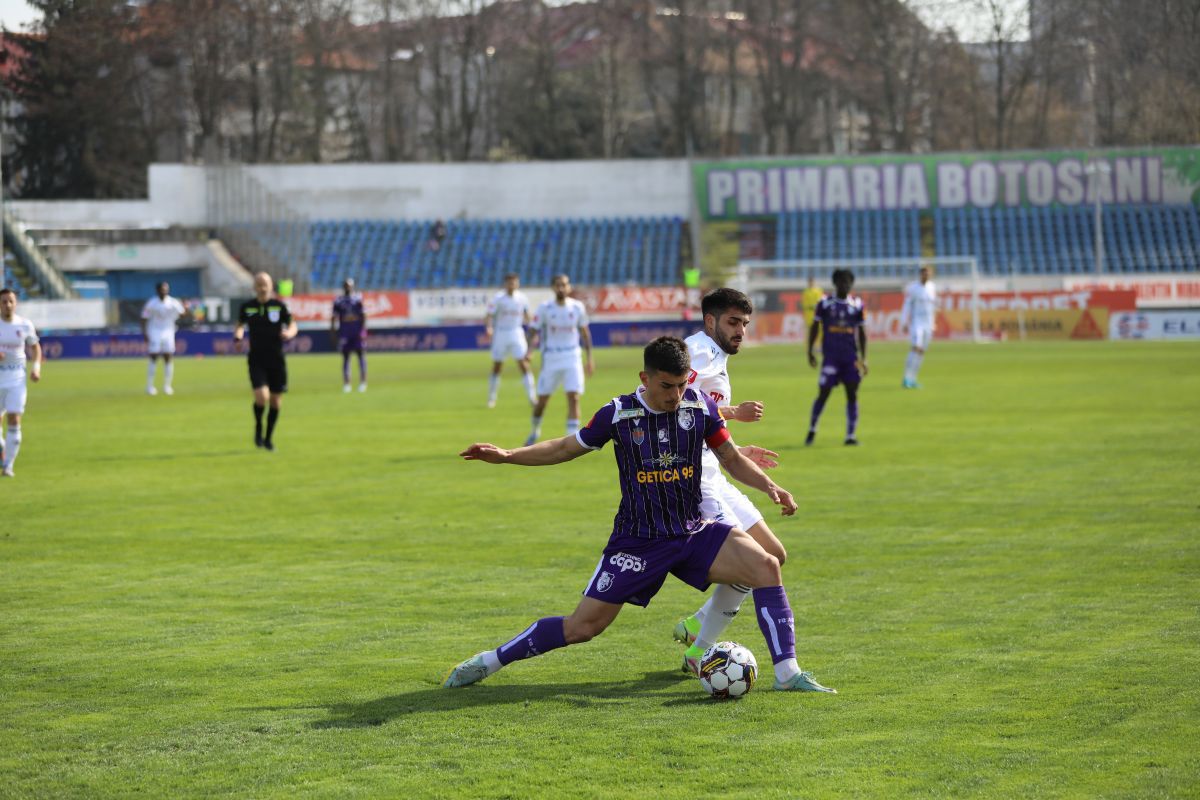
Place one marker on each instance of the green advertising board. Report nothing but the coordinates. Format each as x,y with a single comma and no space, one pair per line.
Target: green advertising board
734,189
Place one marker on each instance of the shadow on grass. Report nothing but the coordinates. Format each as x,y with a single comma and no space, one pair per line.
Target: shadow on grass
664,684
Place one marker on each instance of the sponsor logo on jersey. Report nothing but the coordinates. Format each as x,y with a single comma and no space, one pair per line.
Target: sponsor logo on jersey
691,404
631,413
626,562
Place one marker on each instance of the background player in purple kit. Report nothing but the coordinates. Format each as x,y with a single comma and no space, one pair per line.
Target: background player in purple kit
658,433
349,324
843,350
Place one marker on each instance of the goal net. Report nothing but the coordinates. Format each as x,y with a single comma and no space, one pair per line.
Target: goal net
777,286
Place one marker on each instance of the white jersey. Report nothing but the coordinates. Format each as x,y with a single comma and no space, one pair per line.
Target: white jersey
161,313
710,376
14,336
920,302
507,312
558,326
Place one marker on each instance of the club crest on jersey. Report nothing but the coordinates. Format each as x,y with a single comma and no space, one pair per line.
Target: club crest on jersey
639,436
273,315
604,582
686,421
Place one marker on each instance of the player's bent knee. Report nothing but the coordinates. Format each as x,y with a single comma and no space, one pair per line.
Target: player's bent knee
765,571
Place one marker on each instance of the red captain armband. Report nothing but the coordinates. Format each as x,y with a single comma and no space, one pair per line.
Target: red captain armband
719,438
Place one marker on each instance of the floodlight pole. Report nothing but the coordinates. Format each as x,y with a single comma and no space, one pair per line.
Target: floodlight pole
1095,169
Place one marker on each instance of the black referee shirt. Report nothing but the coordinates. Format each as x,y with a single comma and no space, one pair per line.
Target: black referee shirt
265,321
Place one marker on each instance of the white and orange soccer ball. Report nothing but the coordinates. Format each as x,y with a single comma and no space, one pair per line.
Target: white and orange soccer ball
728,670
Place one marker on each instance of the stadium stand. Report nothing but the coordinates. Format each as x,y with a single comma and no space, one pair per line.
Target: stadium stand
381,254
823,235
1057,240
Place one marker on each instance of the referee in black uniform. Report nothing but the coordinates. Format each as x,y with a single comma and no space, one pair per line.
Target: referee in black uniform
270,325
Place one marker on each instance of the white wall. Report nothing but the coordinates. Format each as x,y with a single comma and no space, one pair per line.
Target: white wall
401,191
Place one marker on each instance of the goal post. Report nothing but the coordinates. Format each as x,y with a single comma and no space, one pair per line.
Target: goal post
957,273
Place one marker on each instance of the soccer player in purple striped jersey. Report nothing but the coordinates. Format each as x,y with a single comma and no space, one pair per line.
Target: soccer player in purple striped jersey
839,320
658,433
349,324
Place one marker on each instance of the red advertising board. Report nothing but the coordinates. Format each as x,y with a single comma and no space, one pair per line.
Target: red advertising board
642,301
379,306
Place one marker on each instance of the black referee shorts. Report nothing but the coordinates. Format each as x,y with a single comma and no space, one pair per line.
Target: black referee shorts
269,371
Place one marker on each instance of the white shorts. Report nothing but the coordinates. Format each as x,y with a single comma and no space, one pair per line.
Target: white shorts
568,373
160,343
920,335
724,502
509,344
12,399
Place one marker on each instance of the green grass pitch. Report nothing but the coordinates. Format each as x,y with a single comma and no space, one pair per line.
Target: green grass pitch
1003,582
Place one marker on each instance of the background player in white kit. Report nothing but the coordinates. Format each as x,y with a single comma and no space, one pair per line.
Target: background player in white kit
507,316
726,314
920,303
18,346
158,328
559,326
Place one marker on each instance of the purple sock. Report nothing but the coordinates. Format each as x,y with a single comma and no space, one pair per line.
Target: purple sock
775,619
818,407
538,639
851,418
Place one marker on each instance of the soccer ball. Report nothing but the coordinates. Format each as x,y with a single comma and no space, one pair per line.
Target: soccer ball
727,669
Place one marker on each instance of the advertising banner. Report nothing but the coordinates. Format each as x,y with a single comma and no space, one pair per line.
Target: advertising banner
391,340
778,316
382,308
639,301
1152,292
737,189
1030,324
1155,325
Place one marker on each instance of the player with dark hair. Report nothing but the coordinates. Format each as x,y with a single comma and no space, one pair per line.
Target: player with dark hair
349,324
840,321
19,346
159,316
657,432
270,325
507,316
726,316
560,326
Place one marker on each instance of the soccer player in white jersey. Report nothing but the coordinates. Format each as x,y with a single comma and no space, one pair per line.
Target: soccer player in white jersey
560,326
18,346
920,303
507,316
726,315
158,328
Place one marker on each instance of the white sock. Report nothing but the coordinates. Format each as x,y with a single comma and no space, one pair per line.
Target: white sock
917,358
908,366
572,427
537,426
150,374
493,387
491,660
168,374
721,607
12,444
527,379
786,670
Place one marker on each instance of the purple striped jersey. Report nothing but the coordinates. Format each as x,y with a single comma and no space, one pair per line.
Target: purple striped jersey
658,459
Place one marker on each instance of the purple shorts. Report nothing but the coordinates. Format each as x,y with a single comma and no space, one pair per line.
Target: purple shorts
632,569
351,344
834,373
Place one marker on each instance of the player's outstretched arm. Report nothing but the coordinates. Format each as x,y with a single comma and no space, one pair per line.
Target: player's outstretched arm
542,454
746,471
